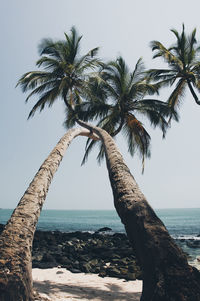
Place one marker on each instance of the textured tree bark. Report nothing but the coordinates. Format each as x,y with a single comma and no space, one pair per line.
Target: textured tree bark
166,273
16,239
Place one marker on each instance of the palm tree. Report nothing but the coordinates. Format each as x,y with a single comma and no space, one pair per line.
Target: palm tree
64,76
184,66
166,273
17,237
65,72
116,97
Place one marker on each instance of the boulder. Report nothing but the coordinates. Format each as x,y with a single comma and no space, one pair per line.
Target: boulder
104,229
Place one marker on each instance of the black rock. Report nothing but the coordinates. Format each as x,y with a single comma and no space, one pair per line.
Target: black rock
48,258
100,253
193,244
75,270
104,229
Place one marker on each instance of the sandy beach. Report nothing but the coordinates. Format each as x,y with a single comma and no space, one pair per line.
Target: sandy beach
58,284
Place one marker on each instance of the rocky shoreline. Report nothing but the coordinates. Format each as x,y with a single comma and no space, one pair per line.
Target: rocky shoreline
99,253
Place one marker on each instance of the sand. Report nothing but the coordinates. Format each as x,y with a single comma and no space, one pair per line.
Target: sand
59,284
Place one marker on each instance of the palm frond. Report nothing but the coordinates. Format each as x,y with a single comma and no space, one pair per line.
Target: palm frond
70,119
151,104
156,111
72,46
160,74
137,137
31,80
192,41
95,90
165,53
48,63
196,68
101,154
137,73
174,99
47,98
88,57
43,87
92,110
89,147
50,48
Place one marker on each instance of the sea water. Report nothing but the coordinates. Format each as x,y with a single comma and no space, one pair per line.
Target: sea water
182,224
179,222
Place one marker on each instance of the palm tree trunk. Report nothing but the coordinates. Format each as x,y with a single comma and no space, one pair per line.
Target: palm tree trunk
17,237
166,273
193,93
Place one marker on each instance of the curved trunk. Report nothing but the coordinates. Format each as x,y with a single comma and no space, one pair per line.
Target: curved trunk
16,239
192,92
166,273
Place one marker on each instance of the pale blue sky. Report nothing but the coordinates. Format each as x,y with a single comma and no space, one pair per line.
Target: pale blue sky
171,177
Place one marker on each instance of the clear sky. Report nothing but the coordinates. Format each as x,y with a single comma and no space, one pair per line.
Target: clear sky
124,27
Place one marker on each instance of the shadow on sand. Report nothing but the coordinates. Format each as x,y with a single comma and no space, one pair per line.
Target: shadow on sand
78,292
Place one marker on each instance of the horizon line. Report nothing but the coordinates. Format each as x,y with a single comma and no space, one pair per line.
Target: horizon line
100,209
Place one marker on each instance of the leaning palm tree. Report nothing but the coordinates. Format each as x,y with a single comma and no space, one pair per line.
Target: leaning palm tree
64,72
166,273
64,76
183,66
115,96
17,237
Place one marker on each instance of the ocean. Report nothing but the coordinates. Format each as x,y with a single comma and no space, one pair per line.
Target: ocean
179,222
182,224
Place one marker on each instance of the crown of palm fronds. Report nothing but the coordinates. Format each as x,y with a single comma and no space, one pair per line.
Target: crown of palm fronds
183,66
64,73
118,99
